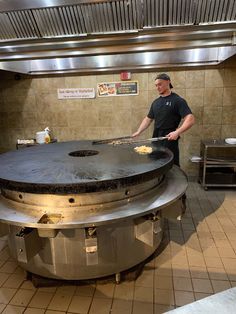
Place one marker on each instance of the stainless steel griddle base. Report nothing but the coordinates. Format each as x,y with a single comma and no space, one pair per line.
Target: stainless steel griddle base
65,257
72,217
123,238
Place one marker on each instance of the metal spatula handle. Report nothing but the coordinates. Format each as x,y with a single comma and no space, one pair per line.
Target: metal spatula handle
153,139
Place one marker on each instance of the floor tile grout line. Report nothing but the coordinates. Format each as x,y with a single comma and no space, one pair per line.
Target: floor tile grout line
220,259
218,250
92,298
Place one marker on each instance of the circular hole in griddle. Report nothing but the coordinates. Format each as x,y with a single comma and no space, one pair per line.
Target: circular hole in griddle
71,200
20,196
83,153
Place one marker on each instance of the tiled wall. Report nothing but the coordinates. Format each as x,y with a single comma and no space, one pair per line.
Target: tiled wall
29,105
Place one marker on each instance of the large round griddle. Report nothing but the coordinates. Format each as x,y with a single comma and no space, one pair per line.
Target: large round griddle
49,168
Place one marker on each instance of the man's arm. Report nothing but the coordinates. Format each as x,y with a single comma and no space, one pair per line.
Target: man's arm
187,124
143,126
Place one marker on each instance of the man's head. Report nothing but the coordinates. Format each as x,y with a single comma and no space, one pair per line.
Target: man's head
163,83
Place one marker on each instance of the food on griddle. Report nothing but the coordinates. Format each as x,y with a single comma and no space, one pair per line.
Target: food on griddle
117,142
143,149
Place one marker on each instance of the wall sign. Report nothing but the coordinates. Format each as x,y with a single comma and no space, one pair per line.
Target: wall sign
117,89
65,93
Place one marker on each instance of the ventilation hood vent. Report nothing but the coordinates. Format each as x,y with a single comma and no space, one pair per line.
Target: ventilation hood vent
81,31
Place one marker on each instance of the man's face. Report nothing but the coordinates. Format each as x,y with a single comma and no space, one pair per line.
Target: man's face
162,86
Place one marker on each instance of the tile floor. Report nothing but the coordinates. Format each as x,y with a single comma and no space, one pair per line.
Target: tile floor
198,259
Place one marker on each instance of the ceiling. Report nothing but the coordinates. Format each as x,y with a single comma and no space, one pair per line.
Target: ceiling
62,36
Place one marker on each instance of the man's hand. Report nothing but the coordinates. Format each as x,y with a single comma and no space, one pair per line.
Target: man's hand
173,136
136,134
144,124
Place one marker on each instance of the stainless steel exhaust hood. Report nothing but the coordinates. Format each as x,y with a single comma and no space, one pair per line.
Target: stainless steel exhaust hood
61,36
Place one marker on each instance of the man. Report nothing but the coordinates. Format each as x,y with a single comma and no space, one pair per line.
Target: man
167,111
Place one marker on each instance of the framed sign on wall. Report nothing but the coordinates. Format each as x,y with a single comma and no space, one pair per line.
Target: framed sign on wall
107,89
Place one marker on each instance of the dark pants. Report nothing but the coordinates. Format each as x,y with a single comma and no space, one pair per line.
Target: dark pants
172,145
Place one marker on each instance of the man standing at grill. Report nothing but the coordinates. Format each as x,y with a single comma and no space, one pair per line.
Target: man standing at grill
167,111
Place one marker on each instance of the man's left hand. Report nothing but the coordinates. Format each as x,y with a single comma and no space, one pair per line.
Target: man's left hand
172,136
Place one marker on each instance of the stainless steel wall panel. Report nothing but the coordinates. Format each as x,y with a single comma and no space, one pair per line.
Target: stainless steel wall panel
164,11
129,17
133,15
101,17
49,23
117,15
114,16
118,12
67,21
170,13
211,10
153,19
9,5
157,13
80,19
17,25
85,15
183,13
72,19
193,7
30,16
63,22
216,10
188,12
90,19
38,20
225,9
207,12
149,23
233,16
126,14
139,13
93,18
230,9
145,15
175,13
198,12
24,23
122,14
6,29
221,5
180,11
49,15
46,28
110,21
98,18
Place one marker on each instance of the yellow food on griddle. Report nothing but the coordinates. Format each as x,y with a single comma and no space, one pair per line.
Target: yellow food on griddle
143,149
116,142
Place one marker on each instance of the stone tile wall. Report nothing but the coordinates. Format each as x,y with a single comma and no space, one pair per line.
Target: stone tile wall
30,104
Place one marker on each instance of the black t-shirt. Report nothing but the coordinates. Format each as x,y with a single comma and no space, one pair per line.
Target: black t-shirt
168,111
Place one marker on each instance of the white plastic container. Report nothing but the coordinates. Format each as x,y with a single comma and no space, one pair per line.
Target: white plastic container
40,137
230,140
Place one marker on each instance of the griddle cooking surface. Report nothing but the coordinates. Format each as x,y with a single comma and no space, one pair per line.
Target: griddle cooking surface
50,168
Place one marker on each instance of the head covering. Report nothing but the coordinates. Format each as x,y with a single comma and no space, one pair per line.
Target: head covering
164,76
